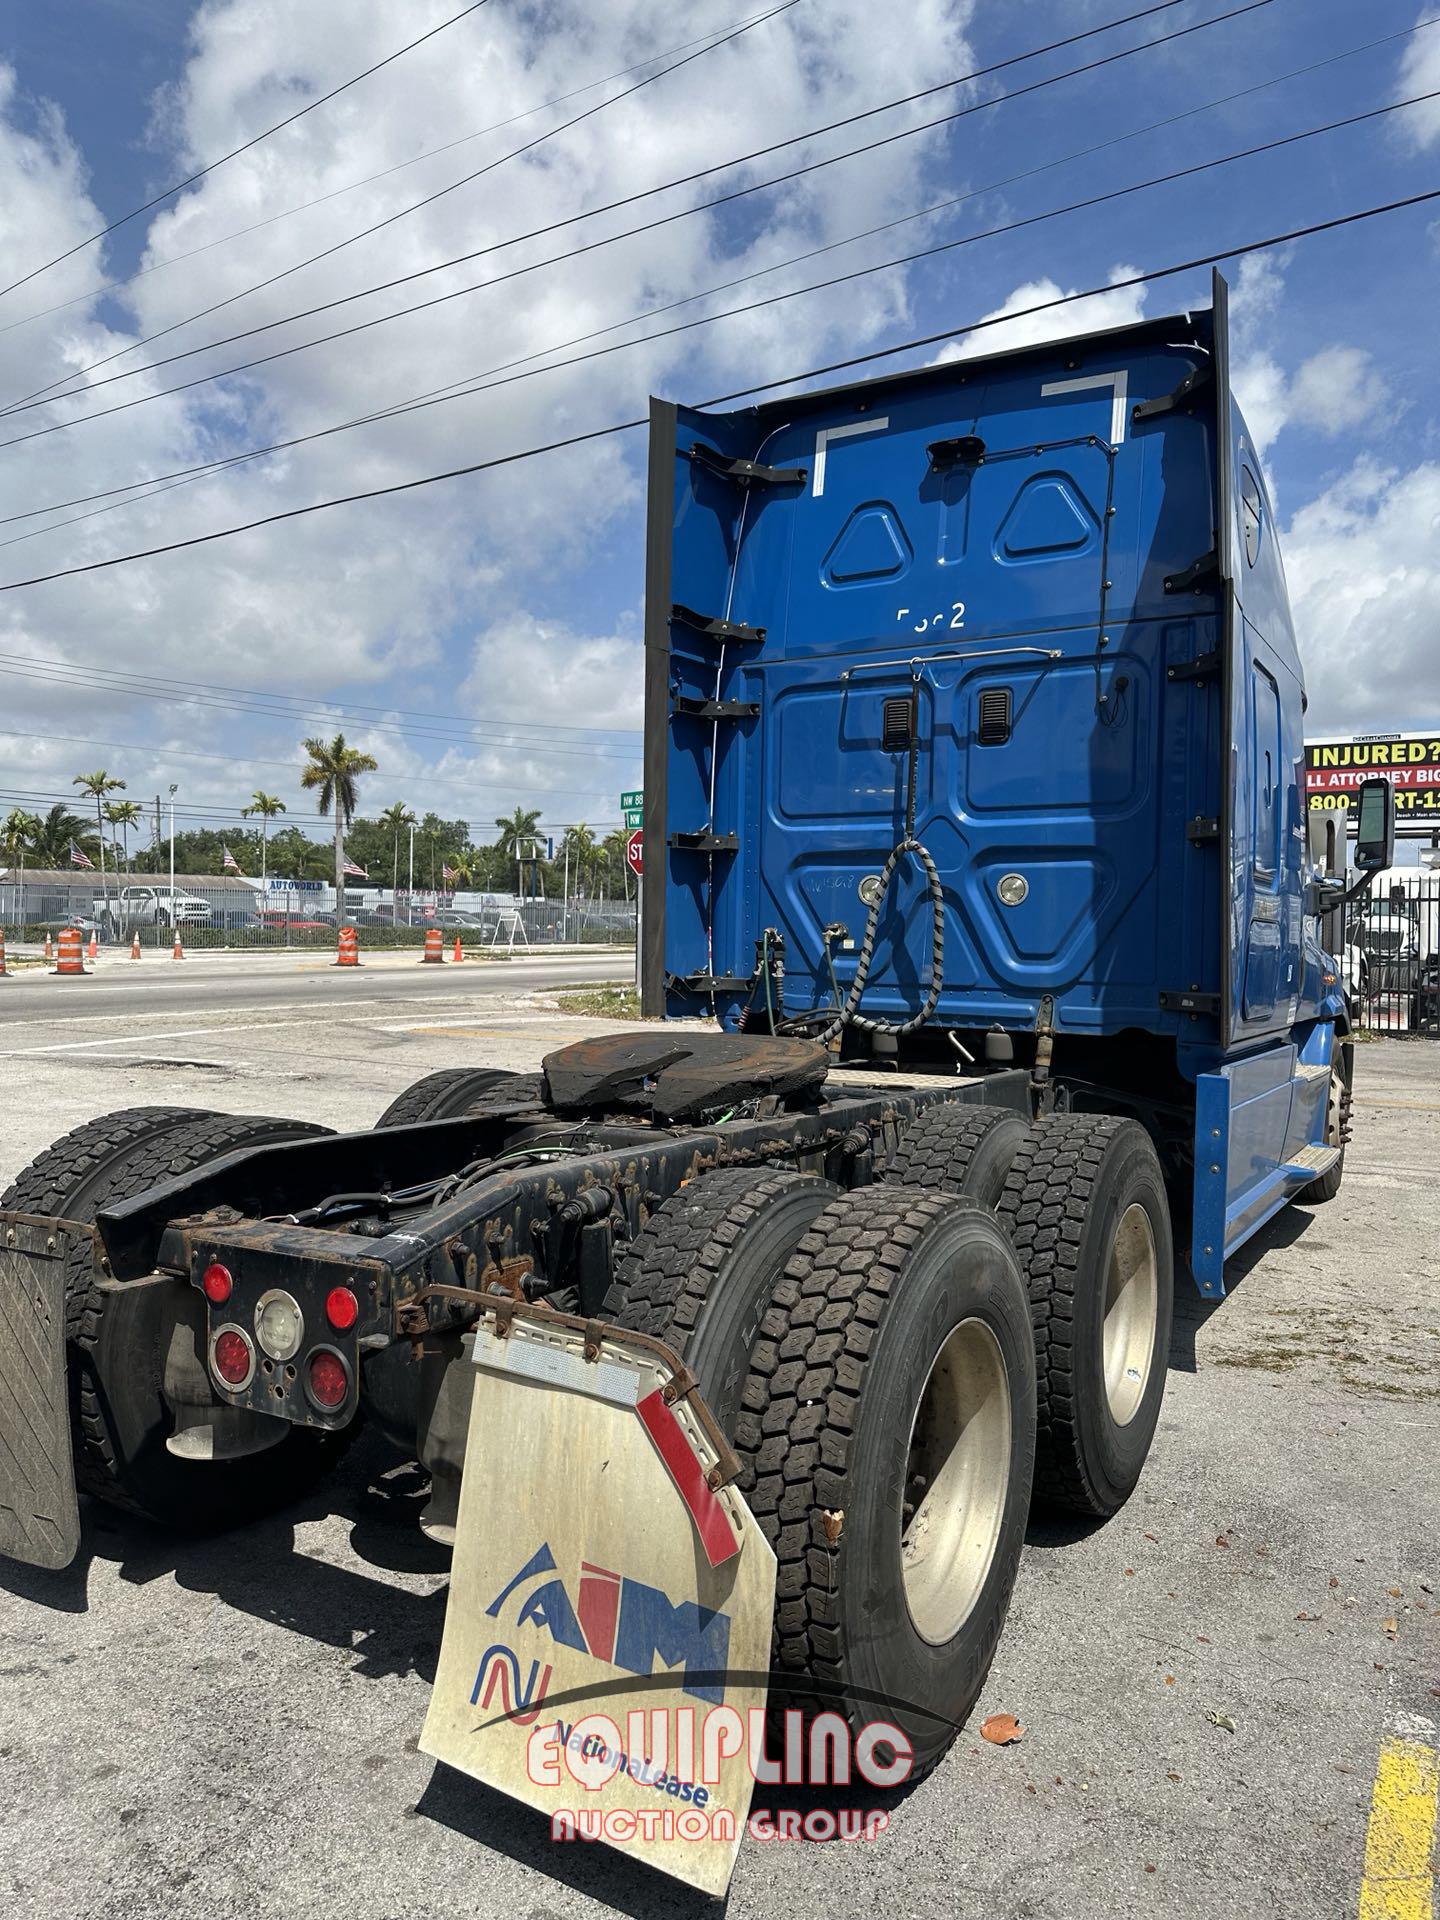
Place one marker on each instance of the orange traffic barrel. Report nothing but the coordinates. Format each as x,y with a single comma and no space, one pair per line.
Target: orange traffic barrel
349,953
434,954
71,958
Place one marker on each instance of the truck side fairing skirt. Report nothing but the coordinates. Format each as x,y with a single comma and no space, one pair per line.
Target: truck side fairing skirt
1259,1141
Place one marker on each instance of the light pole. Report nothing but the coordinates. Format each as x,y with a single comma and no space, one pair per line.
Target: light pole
410,883
173,792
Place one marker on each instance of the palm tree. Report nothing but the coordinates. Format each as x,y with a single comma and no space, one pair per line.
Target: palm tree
614,846
123,814
333,775
396,819
21,830
267,806
51,843
520,830
580,842
99,784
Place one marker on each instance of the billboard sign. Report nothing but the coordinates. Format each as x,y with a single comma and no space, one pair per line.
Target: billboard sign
1335,770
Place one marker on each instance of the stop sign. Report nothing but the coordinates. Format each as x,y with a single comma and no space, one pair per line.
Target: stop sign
635,852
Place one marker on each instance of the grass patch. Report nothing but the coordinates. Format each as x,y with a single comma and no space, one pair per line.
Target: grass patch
602,1003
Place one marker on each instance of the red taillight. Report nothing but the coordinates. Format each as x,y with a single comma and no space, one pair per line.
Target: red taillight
342,1309
233,1356
216,1284
327,1378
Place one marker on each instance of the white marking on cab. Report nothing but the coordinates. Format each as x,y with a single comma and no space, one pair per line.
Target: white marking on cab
825,435
1119,383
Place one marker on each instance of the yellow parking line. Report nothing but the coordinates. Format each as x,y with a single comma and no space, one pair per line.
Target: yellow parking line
1399,1883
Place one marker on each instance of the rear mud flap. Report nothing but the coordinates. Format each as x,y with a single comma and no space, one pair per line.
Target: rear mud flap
608,1627
39,1508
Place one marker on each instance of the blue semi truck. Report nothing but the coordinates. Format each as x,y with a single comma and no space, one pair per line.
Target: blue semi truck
983,938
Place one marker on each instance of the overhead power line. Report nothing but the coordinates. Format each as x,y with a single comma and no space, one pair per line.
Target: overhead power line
378,226
1234,251
365,180
352,710
245,146
468,386
324,713
485,383
43,398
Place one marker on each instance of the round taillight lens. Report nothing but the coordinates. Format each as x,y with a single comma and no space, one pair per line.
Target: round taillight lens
217,1284
328,1380
342,1309
279,1325
234,1357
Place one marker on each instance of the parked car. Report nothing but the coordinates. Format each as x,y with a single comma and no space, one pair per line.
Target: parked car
137,907
276,922
458,920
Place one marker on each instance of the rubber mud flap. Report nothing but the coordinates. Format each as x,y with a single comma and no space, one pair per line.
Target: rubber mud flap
39,1506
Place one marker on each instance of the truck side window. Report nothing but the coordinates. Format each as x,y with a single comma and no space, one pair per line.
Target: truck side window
1251,513
1267,774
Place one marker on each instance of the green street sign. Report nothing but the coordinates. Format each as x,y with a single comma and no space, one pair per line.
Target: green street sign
632,801
634,817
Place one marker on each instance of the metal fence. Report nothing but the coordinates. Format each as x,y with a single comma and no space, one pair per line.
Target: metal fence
1392,954
221,912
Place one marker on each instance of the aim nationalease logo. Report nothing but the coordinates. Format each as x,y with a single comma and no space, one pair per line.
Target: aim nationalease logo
614,1618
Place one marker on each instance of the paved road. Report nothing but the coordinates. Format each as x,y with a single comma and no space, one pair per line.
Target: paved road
243,984
230,1725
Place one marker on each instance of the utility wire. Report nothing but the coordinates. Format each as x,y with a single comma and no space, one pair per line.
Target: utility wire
365,180
323,714
350,710
39,397
441,396
834,366
378,226
245,147
489,384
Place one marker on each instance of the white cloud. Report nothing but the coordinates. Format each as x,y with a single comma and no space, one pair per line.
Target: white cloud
1119,308
1332,392
1419,127
1363,564
360,598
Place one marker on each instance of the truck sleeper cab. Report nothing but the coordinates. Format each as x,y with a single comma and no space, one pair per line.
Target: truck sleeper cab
1029,611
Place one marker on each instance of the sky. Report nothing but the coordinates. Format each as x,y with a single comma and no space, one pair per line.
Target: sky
482,637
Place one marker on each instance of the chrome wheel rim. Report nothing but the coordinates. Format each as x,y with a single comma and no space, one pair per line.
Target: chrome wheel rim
1132,1303
957,1477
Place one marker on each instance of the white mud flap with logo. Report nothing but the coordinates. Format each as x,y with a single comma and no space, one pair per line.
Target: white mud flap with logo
608,1630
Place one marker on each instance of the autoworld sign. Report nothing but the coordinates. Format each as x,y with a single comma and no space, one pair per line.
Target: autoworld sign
1336,769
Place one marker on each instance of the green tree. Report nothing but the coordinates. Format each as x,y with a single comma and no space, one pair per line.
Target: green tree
123,814
333,775
98,784
613,847
17,837
517,834
395,821
267,806
58,828
579,842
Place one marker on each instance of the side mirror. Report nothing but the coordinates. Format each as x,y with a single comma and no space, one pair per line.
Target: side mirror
1375,841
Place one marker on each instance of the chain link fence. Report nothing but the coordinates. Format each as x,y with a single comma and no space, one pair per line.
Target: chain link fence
207,912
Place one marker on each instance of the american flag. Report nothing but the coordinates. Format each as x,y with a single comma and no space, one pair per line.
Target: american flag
228,864
79,858
449,875
350,867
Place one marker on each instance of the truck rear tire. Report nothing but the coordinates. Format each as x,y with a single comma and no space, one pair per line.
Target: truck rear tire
1086,1208
120,1418
888,1439
699,1274
451,1092
958,1149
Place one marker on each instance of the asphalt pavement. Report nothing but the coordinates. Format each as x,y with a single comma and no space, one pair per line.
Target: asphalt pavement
1207,1682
